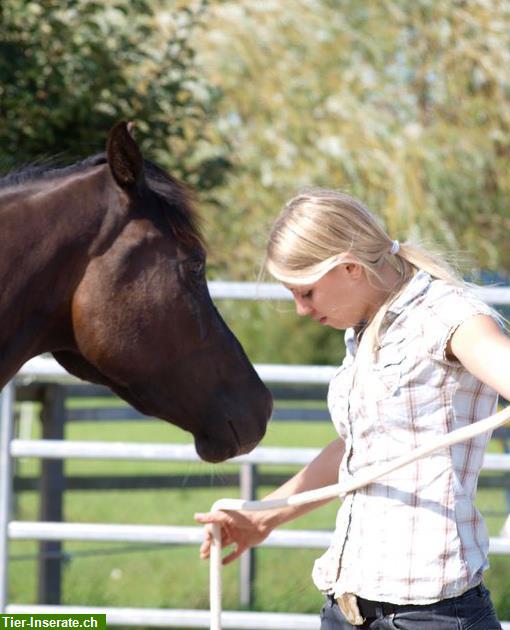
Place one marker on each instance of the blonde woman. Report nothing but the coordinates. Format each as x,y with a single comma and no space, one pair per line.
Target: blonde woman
424,356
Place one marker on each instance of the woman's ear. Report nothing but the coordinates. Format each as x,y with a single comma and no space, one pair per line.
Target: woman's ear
354,270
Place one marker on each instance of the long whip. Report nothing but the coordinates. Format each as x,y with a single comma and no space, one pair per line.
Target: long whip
336,490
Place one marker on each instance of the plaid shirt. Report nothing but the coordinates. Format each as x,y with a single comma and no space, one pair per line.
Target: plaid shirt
414,536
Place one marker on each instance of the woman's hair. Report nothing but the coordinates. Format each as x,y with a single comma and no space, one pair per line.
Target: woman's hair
320,228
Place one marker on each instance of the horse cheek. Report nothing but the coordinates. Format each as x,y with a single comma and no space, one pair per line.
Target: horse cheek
109,325
91,324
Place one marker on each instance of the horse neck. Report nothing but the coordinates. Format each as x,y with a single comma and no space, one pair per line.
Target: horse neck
48,229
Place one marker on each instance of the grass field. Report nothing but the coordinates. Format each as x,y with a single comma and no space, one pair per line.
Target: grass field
107,574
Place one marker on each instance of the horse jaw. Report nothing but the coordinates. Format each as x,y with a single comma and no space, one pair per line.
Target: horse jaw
209,448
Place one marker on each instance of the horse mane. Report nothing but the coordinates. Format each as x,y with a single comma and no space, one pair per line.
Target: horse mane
183,218
47,169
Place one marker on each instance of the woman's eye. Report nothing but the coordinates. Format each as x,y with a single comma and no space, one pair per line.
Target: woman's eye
307,294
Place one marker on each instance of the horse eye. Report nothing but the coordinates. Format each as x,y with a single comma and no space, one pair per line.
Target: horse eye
197,267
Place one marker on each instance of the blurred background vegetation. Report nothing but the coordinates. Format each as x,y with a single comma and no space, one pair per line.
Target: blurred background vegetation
405,105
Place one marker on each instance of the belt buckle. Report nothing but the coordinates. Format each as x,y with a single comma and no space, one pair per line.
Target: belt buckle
348,604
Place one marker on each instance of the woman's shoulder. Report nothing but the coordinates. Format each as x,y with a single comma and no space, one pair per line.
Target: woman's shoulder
444,308
427,302
448,301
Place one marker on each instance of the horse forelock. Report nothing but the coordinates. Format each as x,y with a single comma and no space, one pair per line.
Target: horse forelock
182,217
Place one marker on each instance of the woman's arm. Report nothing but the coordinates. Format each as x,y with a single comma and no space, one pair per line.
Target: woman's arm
245,528
483,349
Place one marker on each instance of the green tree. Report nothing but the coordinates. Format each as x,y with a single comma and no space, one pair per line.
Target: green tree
70,69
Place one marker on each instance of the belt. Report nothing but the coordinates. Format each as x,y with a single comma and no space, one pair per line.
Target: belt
371,609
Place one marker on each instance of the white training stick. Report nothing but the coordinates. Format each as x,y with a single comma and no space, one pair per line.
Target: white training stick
336,490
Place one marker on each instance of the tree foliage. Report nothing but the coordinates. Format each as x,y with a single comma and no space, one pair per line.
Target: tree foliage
404,104
70,69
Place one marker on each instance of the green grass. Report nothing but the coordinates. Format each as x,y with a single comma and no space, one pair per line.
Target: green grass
116,574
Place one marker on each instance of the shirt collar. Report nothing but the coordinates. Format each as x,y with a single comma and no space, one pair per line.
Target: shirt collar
418,284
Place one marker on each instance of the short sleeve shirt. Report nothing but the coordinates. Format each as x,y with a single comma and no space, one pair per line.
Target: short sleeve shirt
414,536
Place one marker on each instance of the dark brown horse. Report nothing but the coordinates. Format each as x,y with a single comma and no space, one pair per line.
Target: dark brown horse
102,264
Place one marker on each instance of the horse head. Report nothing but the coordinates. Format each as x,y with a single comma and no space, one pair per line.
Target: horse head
143,322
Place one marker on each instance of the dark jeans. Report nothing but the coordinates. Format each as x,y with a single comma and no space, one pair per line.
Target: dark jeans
471,611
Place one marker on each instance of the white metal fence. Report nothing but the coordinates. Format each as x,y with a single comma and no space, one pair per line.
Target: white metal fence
9,449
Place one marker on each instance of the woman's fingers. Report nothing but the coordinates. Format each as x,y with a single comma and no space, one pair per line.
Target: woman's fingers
236,529
234,554
208,519
205,547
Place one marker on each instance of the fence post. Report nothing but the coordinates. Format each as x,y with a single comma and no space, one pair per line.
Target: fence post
51,495
6,431
248,486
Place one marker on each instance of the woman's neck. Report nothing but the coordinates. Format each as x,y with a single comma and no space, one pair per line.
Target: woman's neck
382,288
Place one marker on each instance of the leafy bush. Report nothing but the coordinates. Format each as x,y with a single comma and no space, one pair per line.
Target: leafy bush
70,69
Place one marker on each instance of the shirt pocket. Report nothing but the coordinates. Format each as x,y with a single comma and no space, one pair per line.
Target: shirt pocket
386,373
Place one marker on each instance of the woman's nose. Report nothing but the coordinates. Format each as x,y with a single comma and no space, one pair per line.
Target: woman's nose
302,309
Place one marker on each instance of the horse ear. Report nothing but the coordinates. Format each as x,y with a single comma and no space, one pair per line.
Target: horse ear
124,156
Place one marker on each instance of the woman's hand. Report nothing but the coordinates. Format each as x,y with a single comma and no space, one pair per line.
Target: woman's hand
241,529
244,529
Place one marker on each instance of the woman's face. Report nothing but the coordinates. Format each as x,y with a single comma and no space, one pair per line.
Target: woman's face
341,298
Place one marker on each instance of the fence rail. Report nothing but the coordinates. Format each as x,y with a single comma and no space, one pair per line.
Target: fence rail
231,620
56,449
270,291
